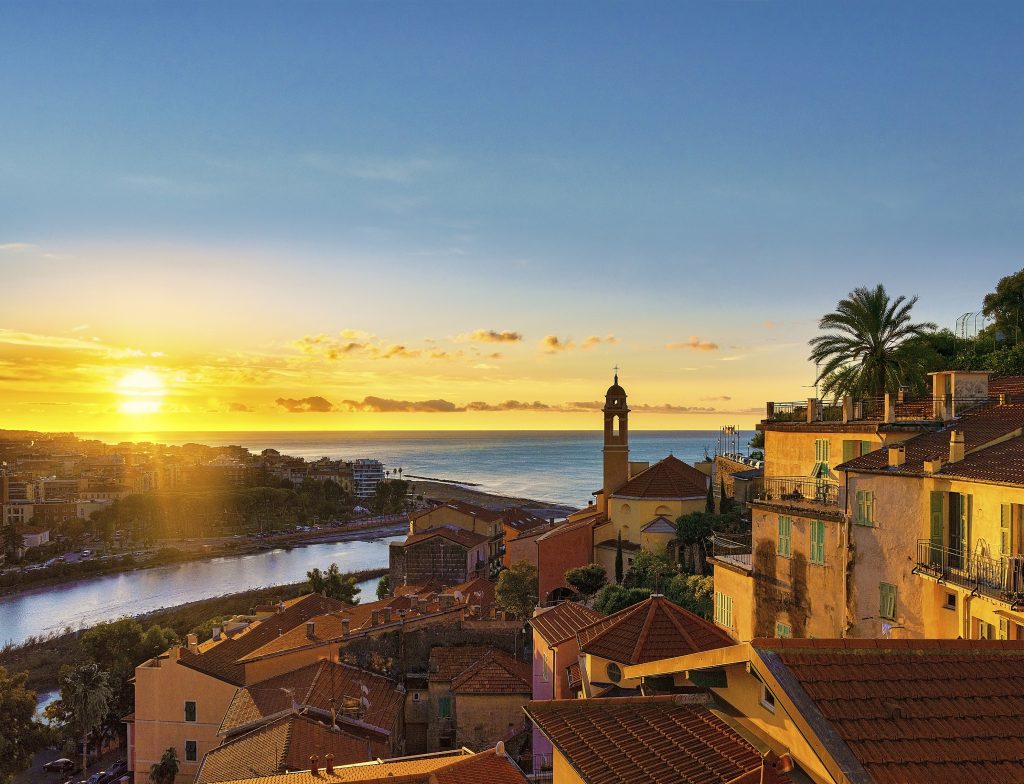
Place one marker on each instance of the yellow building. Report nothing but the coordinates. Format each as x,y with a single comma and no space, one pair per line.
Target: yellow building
470,517
867,711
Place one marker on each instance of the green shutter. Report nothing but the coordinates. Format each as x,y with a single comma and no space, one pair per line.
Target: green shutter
817,542
936,526
1004,629
785,536
866,446
783,630
1004,529
851,449
444,707
859,515
887,601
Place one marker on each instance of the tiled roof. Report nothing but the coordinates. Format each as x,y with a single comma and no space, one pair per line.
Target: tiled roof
613,544
979,427
589,521
494,673
453,767
219,660
561,622
285,744
461,536
659,525
673,739
315,686
518,518
448,662
910,711
670,478
1003,463
1006,385
573,675
653,629
461,506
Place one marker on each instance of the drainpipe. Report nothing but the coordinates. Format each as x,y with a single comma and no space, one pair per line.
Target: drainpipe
965,628
846,538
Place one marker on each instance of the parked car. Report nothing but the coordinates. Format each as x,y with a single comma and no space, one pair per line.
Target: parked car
96,778
62,765
117,770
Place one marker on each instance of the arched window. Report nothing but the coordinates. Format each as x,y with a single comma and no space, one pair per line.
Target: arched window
615,425
663,511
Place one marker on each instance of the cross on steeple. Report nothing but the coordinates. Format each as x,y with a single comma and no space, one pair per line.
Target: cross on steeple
616,369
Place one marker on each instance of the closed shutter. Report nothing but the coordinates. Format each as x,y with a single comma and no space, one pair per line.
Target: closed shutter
887,601
1004,529
851,449
817,542
785,532
936,526
859,516
865,447
1004,629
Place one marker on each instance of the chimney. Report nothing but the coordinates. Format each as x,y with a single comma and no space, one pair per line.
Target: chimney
329,763
897,455
374,617
1002,399
386,615
933,466
956,446
311,630
344,627
314,766
193,643
216,632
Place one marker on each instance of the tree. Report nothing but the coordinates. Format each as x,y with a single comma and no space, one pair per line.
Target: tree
390,496
647,570
86,694
22,736
587,580
166,770
384,587
613,598
516,591
1005,306
691,531
709,502
333,584
693,592
869,346
723,499
618,558
757,440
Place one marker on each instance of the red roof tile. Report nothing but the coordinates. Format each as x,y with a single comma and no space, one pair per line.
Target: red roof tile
494,673
461,506
518,518
656,740
561,622
448,662
911,711
670,478
461,536
653,629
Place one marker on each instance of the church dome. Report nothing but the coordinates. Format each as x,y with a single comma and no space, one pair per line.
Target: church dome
615,390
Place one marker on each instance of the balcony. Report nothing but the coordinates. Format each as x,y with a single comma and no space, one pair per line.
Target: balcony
799,491
732,549
998,578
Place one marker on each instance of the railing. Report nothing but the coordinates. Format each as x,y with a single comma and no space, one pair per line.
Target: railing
1000,578
735,549
788,412
819,492
900,408
537,767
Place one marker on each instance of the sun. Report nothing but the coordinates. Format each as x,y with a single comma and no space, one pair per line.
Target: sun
141,392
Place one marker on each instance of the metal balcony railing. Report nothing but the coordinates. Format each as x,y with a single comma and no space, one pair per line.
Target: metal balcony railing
800,490
788,412
1000,578
735,549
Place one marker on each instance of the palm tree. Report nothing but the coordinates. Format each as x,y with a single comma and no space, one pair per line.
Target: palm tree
870,347
86,693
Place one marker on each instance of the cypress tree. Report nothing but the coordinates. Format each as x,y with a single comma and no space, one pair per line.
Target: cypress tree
709,506
723,500
618,558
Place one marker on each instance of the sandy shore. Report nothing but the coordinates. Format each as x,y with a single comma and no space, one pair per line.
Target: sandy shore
450,491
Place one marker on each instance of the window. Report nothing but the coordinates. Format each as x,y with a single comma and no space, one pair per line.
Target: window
865,511
986,631
191,751
817,542
444,707
415,696
950,601
1004,529
821,450
783,630
190,711
887,601
785,536
1004,629
723,609
767,699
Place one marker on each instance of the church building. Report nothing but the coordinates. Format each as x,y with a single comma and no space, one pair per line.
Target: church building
637,500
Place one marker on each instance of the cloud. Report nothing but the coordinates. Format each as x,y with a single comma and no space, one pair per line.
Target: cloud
242,407
510,405
594,340
305,405
79,328
734,358
493,336
717,397
16,247
552,344
693,344
397,170
383,405
399,351
351,343
769,324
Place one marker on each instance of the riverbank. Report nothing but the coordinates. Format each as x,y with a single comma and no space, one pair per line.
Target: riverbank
448,490
42,659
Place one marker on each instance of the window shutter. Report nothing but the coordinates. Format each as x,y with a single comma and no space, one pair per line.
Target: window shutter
850,450
785,529
1004,629
1004,529
887,601
865,447
936,525
860,506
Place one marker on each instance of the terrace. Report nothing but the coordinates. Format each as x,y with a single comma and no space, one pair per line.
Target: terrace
1001,578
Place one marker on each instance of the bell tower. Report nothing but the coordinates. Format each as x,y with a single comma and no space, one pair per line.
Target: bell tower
616,438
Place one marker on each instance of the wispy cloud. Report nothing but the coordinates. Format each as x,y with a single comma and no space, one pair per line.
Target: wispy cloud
595,340
242,407
396,170
693,344
552,344
734,358
305,405
493,336
383,405
16,247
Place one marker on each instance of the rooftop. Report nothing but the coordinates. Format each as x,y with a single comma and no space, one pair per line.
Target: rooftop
561,622
494,673
460,536
669,478
909,711
653,629
462,507
673,739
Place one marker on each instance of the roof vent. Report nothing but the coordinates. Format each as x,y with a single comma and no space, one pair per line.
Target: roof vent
314,765
897,456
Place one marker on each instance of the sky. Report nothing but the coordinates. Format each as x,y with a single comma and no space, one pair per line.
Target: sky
463,215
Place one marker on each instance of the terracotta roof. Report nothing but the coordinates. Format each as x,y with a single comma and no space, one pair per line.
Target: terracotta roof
1002,463
452,767
494,673
590,521
573,675
910,711
461,536
659,525
673,739
285,744
653,629
518,518
980,427
670,478
1006,385
315,686
448,662
461,506
561,622
219,660
613,544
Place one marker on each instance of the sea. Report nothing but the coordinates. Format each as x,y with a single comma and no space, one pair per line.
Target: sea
556,466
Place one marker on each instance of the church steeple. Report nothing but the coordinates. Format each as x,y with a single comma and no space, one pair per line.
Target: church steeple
616,438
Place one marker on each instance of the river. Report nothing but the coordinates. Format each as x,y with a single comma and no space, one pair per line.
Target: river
83,603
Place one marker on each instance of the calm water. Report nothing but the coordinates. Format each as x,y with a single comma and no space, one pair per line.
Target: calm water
87,602
559,466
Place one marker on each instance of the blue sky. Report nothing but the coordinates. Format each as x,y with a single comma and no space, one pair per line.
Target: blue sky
653,171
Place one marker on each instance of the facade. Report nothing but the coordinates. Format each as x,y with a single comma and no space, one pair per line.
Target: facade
366,475
469,517
34,536
446,554
517,522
